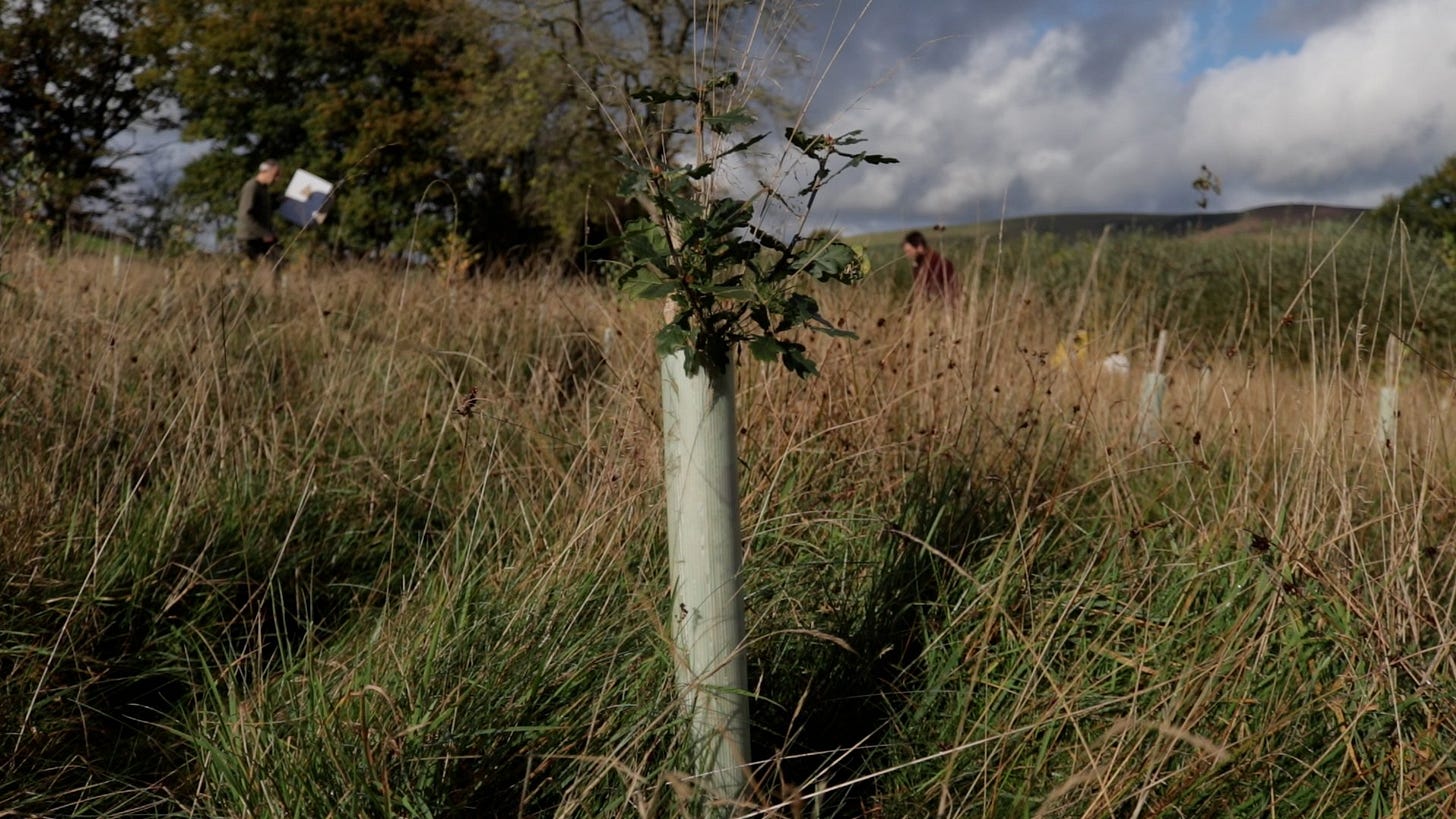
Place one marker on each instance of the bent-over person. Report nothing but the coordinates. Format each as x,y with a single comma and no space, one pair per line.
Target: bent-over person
935,277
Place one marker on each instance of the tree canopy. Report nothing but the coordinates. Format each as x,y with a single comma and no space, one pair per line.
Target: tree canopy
496,120
1429,206
499,122
368,94
72,77
555,108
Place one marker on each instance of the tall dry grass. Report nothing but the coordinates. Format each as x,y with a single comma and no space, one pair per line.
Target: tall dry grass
264,554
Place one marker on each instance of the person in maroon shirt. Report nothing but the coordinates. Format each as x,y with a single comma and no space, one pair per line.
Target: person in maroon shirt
935,277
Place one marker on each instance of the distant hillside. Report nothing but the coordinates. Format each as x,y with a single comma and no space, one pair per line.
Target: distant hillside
1074,225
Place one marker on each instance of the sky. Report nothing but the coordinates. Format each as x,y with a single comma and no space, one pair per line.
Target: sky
1021,107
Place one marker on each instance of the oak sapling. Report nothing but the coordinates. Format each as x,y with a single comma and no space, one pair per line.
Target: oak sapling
730,280
727,281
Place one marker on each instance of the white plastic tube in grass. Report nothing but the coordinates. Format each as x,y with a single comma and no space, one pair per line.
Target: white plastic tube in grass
705,549
1385,429
1150,403
1389,410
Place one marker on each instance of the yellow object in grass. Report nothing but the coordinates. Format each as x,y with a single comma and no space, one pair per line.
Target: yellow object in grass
1063,357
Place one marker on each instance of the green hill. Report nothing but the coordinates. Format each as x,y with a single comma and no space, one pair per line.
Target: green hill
1079,225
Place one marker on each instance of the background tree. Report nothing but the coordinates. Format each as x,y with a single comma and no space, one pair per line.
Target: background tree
72,77
554,112
500,119
365,93
1429,206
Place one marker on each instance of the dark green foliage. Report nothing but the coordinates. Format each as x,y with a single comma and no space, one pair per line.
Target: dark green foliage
562,86
1429,206
731,281
367,94
496,121
72,77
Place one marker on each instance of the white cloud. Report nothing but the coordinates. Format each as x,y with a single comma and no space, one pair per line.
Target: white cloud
1363,107
1014,119
1367,99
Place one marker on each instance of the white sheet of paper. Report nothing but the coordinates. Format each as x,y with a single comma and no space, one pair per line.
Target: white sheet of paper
305,198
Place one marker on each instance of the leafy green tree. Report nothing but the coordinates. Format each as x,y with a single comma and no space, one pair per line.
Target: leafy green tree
368,94
1429,206
499,119
728,278
72,77
555,108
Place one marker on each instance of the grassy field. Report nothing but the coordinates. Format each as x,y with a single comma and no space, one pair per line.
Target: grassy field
260,558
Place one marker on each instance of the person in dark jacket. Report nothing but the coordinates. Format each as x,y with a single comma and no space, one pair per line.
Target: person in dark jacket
255,213
935,277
